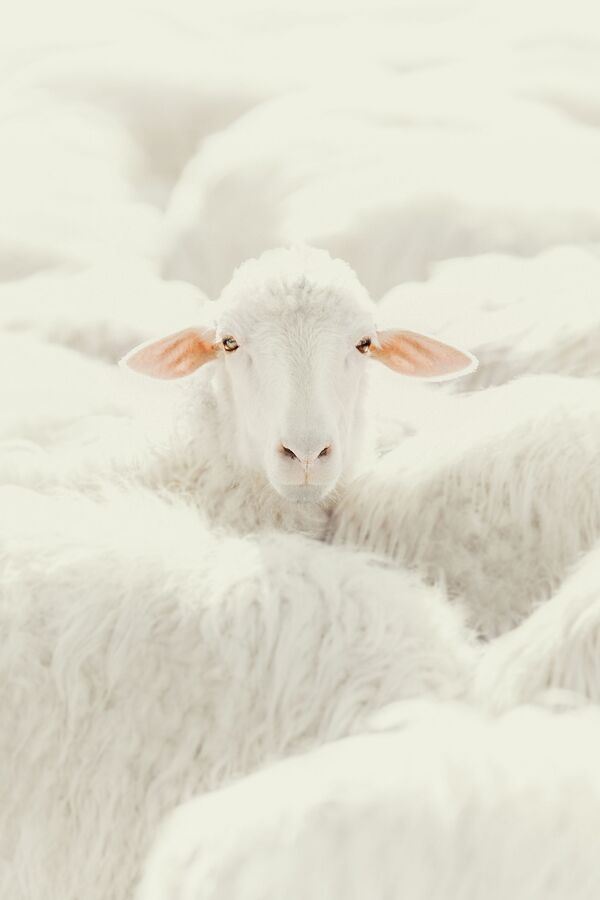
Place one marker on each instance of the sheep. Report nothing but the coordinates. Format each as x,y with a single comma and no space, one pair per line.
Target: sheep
145,657
190,81
85,211
46,389
552,653
498,497
391,178
276,426
445,804
510,312
185,439
100,311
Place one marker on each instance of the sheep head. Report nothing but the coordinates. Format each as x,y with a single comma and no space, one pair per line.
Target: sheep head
293,334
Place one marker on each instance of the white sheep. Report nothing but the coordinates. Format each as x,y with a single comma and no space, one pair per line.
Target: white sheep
391,179
280,414
83,213
146,657
47,389
102,310
553,652
299,377
450,804
510,311
499,496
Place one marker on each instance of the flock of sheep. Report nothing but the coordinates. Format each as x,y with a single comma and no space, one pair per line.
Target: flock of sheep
286,620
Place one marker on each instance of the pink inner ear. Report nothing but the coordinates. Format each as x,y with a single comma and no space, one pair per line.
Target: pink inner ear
173,356
421,356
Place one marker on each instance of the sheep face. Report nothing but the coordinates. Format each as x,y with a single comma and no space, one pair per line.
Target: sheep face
290,349
294,365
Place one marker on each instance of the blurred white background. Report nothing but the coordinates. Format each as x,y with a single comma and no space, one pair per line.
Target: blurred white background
397,134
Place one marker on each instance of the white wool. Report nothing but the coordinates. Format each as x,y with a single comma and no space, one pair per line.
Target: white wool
100,310
190,80
274,277
147,654
97,216
554,651
448,804
498,496
510,312
440,176
146,657
45,389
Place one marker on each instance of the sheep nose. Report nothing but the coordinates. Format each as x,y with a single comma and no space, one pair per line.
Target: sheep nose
305,459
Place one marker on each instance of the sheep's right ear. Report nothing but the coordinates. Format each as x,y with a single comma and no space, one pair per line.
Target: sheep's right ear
173,356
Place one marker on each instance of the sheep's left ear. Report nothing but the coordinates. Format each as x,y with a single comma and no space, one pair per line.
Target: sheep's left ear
421,356
174,356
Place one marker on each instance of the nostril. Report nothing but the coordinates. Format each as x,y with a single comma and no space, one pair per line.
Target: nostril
307,459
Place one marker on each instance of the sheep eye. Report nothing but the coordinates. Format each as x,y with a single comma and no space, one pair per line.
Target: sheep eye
230,344
363,346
